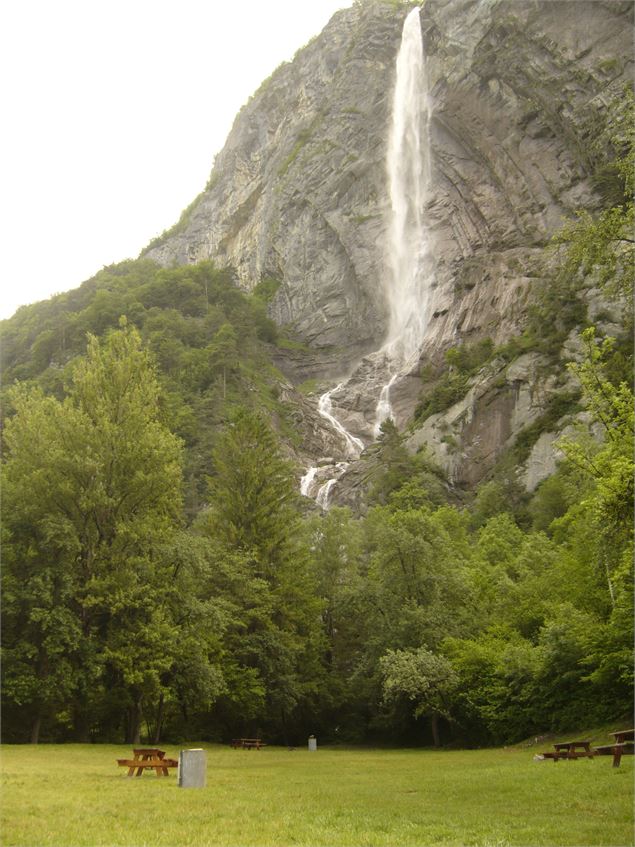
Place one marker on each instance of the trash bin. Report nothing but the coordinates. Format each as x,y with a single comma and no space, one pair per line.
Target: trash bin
312,743
192,769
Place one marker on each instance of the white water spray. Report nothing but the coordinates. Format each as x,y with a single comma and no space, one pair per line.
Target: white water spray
307,481
408,252
322,498
384,407
354,446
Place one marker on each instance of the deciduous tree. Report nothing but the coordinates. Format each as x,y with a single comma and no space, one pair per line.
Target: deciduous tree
92,495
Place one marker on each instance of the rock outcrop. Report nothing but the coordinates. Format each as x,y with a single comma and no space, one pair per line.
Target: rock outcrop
468,438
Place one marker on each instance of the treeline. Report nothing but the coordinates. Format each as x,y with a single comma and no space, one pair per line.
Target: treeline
162,577
420,622
210,341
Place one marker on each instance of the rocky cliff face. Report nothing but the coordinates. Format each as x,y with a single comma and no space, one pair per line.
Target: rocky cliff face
299,191
519,89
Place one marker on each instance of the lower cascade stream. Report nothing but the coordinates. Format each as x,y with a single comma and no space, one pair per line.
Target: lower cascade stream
408,278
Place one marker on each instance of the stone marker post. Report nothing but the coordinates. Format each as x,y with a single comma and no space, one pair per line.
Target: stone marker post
192,769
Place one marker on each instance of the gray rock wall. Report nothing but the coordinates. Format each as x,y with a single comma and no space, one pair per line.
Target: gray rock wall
519,91
299,191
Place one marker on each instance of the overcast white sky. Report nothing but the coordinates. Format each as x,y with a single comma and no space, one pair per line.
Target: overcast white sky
112,111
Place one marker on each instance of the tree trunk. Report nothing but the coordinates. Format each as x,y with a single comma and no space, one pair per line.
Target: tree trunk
608,579
160,713
434,724
134,724
136,735
285,735
35,728
82,727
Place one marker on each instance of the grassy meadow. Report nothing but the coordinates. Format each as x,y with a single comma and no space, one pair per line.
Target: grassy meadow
77,796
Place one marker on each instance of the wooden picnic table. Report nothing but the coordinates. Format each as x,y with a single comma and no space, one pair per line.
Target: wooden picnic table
570,750
622,745
622,736
247,743
148,758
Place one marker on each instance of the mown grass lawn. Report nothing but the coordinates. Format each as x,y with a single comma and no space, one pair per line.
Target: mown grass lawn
77,796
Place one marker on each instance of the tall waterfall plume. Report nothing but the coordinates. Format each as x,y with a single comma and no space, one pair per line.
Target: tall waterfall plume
408,256
409,274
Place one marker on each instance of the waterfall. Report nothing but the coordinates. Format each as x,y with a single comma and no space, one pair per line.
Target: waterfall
384,407
408,172
354,446
409,275
315,476
307,481
322,498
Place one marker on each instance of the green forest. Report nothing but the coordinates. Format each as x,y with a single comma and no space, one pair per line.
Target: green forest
163,578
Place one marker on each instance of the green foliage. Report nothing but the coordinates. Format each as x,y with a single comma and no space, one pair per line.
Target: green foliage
503,494
555,496
558,406
608,506
93,489
613,149
273,610
266,289
395,475
559,642
468,359
303,137
252,490
463,363
492,694
517,345
602,247
209,340
426,680
416,573
260,620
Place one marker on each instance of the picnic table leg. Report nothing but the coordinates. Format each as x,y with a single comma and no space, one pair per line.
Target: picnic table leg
130,771
617,756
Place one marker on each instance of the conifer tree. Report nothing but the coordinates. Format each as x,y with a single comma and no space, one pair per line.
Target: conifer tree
253,513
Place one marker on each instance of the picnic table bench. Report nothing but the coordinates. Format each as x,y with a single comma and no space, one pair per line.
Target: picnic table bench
570,750
622,746
148,758
247,743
